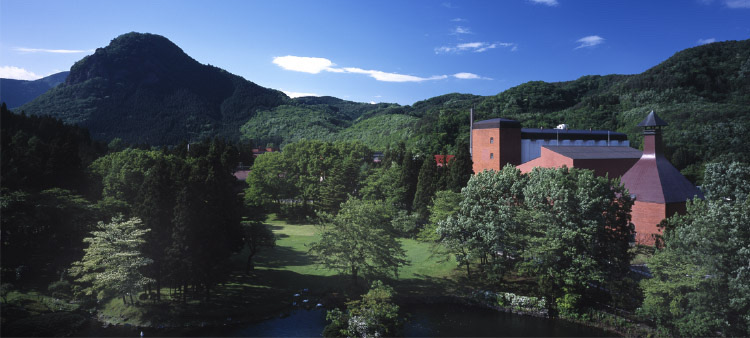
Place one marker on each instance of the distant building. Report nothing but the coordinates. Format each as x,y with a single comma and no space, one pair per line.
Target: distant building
260,151
660,190
443,160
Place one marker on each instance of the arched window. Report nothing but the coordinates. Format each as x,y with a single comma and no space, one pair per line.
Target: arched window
492,156
492,140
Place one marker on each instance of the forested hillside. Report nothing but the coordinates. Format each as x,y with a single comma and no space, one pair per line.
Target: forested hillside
17,92
143,88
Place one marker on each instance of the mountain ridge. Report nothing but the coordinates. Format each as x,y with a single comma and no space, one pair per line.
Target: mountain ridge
16,93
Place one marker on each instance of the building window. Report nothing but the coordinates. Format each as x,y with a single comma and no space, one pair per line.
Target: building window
492,140
492,156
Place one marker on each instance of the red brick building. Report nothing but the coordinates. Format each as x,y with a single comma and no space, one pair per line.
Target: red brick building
659,188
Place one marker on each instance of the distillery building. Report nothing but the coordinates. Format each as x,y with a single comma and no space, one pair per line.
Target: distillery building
658,187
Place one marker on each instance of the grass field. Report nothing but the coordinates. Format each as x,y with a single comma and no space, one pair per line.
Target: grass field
279,274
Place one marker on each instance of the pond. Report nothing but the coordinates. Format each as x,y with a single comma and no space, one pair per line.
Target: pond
433,320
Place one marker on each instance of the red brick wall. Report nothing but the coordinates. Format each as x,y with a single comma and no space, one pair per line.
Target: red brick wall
646,216
481,148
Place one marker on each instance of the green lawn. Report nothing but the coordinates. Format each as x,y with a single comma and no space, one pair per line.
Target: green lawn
280,273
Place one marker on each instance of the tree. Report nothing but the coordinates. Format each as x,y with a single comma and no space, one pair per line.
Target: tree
375,315
566,228
445,204
426,187
113,259
359,241
383,184
701,283
257,236
460,169
485,228
579,231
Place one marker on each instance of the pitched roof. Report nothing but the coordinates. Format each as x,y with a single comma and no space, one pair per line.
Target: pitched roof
652,121
654,179
593,152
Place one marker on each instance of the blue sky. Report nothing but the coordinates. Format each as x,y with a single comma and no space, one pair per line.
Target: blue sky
378,51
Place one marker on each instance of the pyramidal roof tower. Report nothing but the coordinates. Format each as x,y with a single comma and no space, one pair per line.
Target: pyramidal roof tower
659,188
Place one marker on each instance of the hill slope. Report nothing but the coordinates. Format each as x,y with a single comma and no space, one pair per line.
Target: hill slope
18,92
143,88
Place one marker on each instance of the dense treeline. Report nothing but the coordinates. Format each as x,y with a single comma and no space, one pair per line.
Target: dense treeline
566,229
143,88
181,202
701,284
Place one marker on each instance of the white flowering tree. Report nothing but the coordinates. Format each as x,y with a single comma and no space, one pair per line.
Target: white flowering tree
112,262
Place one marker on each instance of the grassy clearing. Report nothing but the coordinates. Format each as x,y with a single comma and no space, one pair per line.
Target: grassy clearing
279,274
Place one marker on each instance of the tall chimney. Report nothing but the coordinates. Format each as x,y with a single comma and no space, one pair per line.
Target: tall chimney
652,141
471,130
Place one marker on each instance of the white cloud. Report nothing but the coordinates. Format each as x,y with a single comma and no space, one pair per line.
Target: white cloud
705,41
298,94
372,102
303,64
392,77
462,30
466,76
590,41
546,2
738,3
55,51
476,47
10,72
458,20
314,65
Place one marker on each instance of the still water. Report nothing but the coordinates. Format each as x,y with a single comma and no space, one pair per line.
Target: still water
424,320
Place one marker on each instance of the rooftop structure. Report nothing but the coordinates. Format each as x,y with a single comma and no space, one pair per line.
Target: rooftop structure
659,188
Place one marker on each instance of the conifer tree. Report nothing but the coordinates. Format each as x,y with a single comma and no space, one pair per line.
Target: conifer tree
460,168
426,187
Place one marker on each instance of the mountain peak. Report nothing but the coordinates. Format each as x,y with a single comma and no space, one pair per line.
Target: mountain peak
144,55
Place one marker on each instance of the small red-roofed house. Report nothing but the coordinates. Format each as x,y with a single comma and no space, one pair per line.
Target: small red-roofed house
443,159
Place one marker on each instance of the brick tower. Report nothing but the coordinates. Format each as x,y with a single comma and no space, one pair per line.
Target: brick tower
495,143
659,188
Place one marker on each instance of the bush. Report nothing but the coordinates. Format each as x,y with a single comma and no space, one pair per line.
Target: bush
60,289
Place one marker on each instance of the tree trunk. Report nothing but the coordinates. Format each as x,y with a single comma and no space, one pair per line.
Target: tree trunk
131,299
123,299
354,275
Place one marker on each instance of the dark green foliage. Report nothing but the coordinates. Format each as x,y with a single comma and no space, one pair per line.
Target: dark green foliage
257,236
701,284
427,184
567,229
307,176
42,152
143,88
188,201
42,233
359,241
460,169
375,315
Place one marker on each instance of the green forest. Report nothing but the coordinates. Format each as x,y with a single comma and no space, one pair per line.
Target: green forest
119,201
